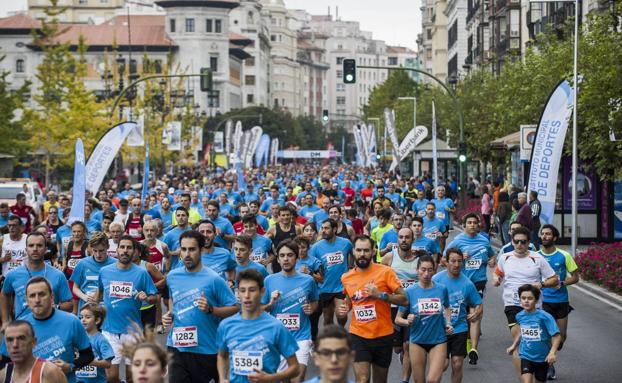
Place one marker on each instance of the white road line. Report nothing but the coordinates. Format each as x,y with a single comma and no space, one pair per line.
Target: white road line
591,294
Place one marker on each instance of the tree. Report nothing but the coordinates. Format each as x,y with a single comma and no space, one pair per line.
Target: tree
11,128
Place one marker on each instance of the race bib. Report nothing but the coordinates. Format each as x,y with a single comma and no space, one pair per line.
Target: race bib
245,362
368,199
158,265
334,258
290,321
87,372
257,255
121,289
421,213
73,262
428,306
134,233
440,214
531,334
516,297
365,313
66,241
431,236
14,265
455,311
407,283
473,264
185,336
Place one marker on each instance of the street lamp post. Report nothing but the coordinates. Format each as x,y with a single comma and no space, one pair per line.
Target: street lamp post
414,100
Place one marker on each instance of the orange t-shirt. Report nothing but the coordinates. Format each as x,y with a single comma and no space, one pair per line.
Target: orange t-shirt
371,317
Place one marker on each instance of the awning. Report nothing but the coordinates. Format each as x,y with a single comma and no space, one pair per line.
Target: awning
508,142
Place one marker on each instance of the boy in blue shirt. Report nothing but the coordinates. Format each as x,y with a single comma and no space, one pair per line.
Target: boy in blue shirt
539,337
252,342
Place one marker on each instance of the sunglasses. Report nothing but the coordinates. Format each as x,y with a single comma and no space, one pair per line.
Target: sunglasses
520,242
327,354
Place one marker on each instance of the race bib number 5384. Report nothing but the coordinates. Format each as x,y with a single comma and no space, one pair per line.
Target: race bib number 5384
245,362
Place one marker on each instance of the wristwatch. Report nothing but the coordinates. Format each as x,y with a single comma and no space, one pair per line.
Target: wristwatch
384,296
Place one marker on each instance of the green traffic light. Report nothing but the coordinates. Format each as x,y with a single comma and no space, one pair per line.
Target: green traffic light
462,158
349,77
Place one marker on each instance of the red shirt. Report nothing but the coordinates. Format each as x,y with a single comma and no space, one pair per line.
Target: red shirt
238,227
367,195
350,194
25,213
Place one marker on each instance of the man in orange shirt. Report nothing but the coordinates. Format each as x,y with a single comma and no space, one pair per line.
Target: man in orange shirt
370,289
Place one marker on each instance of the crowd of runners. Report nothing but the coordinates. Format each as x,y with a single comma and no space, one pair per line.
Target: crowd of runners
252,278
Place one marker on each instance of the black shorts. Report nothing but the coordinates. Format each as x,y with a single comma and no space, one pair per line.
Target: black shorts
148,317
400,333
378,351
456,344
558,310
480,287
510,313
191,367
538,369
428,346
326,299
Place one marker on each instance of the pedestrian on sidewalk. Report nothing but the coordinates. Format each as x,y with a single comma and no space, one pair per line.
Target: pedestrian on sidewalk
486,209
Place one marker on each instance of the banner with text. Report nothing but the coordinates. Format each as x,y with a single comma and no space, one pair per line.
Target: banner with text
389,123
79,187
412,139
548,147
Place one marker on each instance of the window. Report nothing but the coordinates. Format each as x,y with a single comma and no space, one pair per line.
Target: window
341,100
429,33
392,60
189,25
172,25
157,66
250,98
133,66
83,2
218,26
339,60
250,61
341,111
283,102
213,99
272,37
250,18
208,25
276,102
339,74
249,80
19,66
341,87
213,64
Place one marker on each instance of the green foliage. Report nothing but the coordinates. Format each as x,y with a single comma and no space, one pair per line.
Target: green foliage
14,141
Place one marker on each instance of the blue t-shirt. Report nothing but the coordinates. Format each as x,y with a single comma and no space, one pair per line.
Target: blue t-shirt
261,248
63,236
426,244
263,222
255,343
265,206
388,237
562,262
309,211
102,351
219,260
86,275
194,330
58,338
311,262
15,283
250,197
93,224
419,207
119,289
296,291
166,217
433,228
317,379
462,294
441,213
225,227
252,265
319,217
478,252
172,241
428,306
334,259
536,330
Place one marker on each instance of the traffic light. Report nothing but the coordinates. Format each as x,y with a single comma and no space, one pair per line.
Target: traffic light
206,79
349,71
462,152
325,116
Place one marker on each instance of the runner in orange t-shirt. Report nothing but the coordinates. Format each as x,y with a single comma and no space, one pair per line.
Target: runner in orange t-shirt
370,288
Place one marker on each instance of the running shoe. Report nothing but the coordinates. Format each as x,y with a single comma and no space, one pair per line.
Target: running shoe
473,356
552,375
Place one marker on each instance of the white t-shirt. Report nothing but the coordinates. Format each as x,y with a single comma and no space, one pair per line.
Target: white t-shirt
517,271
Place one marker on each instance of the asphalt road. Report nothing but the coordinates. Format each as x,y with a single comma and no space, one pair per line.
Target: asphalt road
592,353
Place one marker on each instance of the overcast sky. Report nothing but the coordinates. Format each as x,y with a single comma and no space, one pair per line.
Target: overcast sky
395,21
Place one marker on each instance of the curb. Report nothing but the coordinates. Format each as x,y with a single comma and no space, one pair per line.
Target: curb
600,291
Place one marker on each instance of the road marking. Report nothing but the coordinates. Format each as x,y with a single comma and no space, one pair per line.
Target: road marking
591,294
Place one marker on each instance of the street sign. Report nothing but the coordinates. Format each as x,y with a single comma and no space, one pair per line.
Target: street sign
527,138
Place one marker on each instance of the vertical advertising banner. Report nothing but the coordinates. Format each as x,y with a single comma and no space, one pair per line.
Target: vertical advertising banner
137,135
434,152
389,123
79,185
548,148
173,129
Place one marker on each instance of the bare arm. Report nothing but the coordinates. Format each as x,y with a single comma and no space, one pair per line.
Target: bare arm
66,306
226,311
6,302
223,366
572,279
53,374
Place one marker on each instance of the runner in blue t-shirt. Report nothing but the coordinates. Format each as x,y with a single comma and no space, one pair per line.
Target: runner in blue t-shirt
335,253
428,315
478,255
123,287
292,297
172,237
60,335
92,317
434,228
242,247
420,241
224,229
252,342
539,336
85,276
33,266
218,259
419,206
466,308
262,246
200,299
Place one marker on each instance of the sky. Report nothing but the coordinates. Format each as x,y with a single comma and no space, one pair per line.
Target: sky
397,22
